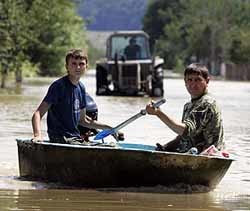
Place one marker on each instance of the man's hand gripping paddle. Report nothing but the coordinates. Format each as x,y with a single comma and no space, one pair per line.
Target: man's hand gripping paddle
105,133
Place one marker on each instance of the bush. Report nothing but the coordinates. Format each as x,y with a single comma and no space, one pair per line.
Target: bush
29,69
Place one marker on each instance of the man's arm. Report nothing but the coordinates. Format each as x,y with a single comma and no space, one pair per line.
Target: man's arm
86,121
36,120
177,127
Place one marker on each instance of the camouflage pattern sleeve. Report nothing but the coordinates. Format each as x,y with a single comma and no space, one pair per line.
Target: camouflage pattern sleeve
203,123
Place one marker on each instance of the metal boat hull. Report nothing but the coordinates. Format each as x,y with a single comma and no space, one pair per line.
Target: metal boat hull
123,165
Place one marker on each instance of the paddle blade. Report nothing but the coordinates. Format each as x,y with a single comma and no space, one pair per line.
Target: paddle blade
103,134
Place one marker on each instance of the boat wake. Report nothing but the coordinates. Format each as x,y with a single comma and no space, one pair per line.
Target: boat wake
177,188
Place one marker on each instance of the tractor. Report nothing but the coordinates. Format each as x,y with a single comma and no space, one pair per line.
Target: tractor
129,68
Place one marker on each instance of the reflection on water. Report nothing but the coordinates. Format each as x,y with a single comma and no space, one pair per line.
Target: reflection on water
231,194
103,200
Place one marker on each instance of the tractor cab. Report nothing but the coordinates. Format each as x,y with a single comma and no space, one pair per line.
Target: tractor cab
128,47
129,68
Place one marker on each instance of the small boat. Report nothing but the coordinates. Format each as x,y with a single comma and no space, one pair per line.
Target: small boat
116,165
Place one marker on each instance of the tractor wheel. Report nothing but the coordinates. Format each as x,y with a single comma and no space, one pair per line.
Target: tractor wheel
157,89
101,81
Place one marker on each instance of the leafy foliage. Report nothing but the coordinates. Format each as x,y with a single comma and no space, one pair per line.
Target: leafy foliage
38,32
55,32
240,48
158,14
204,31
13,37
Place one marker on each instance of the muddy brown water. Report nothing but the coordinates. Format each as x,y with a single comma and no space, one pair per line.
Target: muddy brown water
233,193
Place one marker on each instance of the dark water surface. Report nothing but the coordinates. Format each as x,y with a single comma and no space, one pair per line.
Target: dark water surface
233,193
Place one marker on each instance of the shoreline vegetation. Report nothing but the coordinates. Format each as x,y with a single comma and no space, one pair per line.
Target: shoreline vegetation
37,47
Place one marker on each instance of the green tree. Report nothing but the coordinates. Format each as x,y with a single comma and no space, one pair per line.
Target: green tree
13,37
55,33
210,28
240,48
200,30
37,33
159,14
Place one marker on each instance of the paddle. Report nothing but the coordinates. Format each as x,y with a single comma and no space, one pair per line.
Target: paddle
107,132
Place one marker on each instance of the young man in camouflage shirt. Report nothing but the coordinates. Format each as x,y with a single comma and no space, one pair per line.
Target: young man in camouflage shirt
201,124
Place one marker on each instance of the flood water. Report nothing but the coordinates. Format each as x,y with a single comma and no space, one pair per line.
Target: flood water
233,193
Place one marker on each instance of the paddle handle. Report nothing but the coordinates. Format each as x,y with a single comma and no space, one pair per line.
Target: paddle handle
136,116
159,103
128,121
143,112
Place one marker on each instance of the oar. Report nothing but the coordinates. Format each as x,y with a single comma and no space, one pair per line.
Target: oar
105,133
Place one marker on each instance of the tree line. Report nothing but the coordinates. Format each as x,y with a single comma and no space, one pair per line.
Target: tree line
35,35
212,32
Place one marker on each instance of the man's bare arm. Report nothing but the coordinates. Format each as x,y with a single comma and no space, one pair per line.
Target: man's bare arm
177,127
36,120
90,123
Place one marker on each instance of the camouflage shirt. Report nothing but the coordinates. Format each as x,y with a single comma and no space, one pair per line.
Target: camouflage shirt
203,121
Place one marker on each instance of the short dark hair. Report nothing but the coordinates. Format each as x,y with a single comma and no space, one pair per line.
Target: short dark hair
76,53
132,40
197,68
